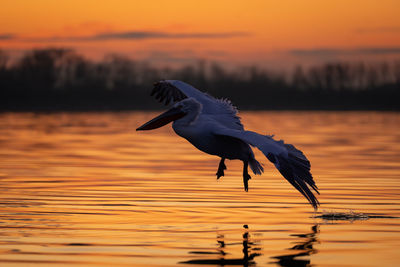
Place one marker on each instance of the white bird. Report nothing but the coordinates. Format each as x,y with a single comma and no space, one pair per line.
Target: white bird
212,126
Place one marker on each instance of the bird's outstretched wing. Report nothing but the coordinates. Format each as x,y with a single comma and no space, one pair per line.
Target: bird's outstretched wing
290,162
222,110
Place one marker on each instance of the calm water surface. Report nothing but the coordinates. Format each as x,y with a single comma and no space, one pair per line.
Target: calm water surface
86,189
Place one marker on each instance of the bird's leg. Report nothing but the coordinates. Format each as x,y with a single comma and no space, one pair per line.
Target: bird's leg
246,176
221,168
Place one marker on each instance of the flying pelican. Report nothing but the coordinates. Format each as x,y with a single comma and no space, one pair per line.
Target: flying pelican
212,126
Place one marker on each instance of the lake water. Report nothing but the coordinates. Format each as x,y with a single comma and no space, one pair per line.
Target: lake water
87,189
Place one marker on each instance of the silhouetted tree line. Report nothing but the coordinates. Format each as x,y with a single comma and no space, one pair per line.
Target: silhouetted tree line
61,79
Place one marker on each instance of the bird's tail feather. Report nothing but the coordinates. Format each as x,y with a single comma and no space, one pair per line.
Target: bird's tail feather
256,166
296,169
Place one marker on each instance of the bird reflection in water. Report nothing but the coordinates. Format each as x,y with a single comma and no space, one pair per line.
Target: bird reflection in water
306,247
250,249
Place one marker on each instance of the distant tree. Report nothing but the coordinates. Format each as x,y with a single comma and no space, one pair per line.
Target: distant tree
4,75
38,69
3,60
397,74
299,79
56,78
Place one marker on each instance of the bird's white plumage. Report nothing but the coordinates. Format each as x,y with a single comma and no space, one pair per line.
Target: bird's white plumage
221,110
213,126
265,143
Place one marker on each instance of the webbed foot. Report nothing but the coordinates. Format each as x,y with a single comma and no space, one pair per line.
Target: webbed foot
221,168
246,178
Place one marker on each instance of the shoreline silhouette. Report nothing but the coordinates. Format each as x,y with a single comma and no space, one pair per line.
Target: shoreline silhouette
57,79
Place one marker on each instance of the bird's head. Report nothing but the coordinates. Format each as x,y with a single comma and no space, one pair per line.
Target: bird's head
188,108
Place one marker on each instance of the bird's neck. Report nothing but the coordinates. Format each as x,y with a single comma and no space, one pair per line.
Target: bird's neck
187,120
192,113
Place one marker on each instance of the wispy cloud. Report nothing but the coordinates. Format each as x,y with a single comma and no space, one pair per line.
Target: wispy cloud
6,36
393,29
131,35
324,52
139,35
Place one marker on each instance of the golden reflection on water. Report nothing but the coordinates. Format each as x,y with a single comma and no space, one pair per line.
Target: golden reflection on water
85,188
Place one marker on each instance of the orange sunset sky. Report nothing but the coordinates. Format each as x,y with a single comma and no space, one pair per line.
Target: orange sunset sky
269,33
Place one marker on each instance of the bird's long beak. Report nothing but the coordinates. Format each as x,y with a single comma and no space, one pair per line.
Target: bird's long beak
162,119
